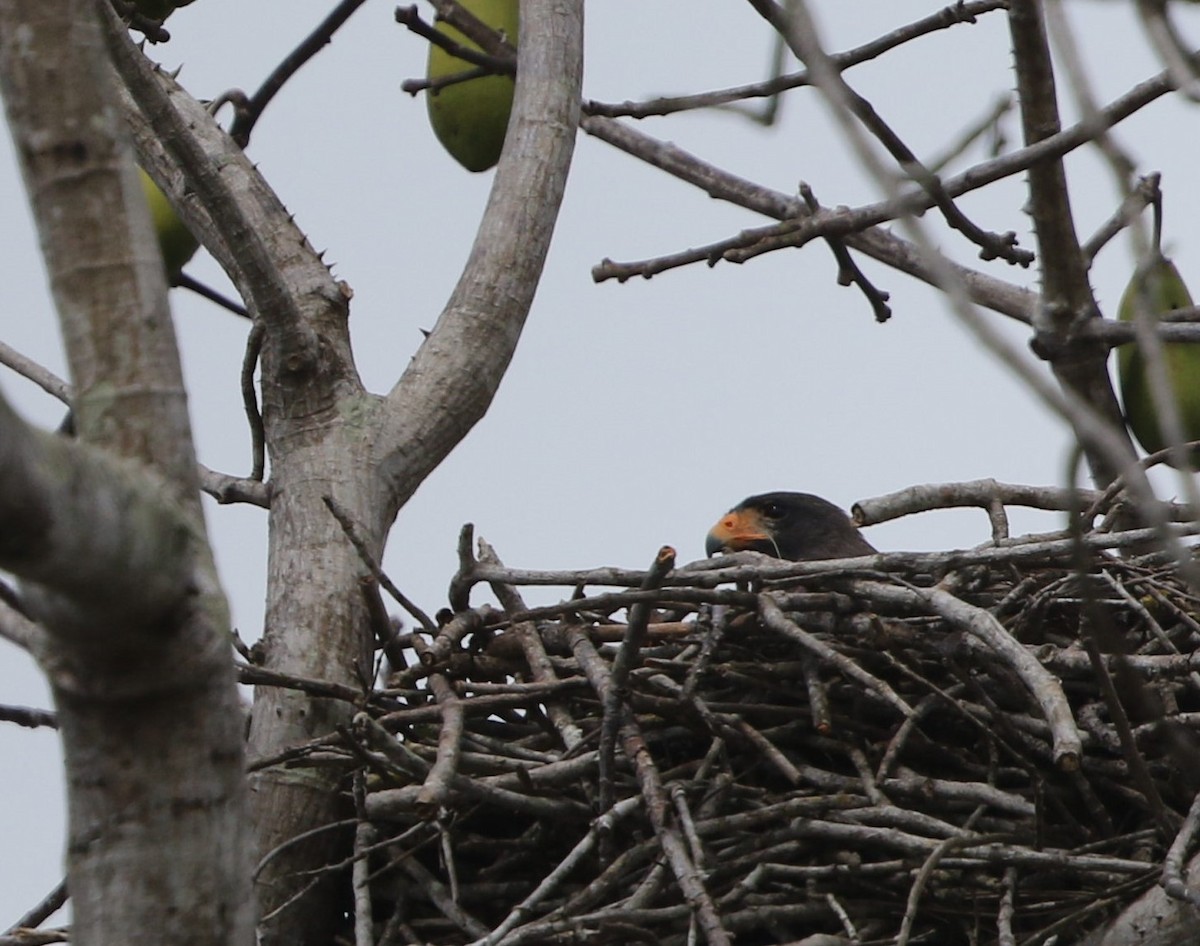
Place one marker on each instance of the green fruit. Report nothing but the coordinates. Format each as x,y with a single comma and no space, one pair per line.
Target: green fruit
1164,291
158,9
470,118
175,241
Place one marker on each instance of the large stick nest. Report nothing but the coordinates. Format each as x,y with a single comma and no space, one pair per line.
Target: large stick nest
987,746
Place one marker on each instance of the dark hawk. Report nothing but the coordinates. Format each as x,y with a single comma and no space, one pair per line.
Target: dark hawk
798,527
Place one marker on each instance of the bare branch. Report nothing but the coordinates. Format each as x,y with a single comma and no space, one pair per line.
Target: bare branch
453,377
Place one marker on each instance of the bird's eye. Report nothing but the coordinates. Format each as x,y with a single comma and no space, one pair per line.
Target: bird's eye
772,510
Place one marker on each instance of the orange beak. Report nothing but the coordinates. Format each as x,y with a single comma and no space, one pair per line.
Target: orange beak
735,531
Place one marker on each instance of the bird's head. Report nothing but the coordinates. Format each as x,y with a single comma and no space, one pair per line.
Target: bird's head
798,527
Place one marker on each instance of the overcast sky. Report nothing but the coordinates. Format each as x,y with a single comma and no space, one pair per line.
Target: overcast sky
633,415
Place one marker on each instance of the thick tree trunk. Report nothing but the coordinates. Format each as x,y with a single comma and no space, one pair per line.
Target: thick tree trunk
112,552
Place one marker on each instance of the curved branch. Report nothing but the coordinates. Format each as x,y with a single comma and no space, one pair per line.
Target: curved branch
452,379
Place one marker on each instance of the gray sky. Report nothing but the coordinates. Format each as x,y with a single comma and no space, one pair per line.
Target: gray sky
633,415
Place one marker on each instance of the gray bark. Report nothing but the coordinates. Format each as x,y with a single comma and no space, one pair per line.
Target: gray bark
107,534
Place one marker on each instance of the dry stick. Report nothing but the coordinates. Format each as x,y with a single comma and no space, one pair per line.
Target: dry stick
617,694
848,271
331,742
386,632
818,699
992,245
748,566
858,759
43,910
506,792
604,604
880,245
483,705
248,116
450,635
684,814
781,762
1145,194
536,657
774,618
1148,619
843,918
558,875
1045,687
36,937
253,675
441,898
299,839
459,594
360,546
1172,873
943,19
436,790
1006,912
456,14
896,745
922,879
364,837
184,281
686,874
501,60
988,121
27,368
982,493
984,849
1142,778
715,621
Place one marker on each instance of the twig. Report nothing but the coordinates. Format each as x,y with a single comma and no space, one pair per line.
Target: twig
1172,874
364,838
42,910
686,874
248,116
982,625
28,717
360,546
943,19
774,618
1006,912
44,378
615,697
184,281
436,789
540,667
561,871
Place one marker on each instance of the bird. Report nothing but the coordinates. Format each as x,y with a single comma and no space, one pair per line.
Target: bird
798,527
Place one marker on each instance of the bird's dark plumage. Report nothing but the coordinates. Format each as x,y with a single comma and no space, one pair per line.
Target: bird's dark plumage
798,527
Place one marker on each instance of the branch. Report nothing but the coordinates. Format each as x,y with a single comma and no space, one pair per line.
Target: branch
947,17
229,206
250,112
454,376
1080,366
